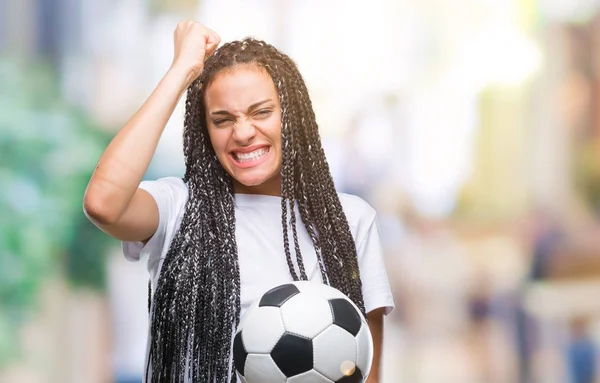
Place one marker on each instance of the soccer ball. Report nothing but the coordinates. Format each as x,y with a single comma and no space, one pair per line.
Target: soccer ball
303,332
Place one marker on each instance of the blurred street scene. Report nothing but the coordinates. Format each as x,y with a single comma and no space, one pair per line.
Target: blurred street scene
472,127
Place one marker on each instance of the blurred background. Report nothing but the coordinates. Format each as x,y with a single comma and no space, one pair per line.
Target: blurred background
472,126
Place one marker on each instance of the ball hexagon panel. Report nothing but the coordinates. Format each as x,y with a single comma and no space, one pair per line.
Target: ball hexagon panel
365,349
311,376
262,368
334,348
262,329
306,315
293,354
277,296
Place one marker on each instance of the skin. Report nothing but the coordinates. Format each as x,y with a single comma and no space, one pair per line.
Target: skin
375,320
244,116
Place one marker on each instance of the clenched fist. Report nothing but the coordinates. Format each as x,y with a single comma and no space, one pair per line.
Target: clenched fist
193,44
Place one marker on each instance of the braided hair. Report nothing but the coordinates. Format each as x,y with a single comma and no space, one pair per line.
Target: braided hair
196,306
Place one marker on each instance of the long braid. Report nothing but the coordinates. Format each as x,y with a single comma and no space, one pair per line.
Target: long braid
288,176
341,252
189,337
286,201
330,216
343,270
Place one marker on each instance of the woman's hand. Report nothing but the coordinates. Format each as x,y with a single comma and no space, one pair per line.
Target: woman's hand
193,44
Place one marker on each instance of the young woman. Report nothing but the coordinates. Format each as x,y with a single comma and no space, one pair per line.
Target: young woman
257,206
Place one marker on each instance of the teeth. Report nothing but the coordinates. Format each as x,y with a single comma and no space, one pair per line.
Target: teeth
243,157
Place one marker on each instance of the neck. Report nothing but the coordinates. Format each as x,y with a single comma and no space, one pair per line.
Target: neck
270,187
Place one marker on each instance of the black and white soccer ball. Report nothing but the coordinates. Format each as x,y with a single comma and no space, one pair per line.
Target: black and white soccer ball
303,332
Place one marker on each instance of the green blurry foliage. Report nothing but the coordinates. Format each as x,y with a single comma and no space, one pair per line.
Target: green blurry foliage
48,150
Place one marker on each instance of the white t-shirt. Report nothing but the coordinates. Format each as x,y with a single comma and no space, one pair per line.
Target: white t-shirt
259,236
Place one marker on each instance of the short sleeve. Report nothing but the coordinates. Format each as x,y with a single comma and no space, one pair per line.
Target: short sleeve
170,194
377,292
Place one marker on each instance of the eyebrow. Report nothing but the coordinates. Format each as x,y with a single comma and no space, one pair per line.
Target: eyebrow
250,108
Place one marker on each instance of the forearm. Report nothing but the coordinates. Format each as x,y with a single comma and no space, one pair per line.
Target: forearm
375,320
126,159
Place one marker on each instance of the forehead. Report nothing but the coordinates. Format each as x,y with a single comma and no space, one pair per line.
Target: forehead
237,87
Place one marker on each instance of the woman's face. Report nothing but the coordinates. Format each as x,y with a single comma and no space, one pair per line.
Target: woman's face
244,124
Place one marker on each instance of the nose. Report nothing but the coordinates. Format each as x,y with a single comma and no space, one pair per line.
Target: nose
243,131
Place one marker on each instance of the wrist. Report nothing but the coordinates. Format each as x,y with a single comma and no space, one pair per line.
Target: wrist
182,73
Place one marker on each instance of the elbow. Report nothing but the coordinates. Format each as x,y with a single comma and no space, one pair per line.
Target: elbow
98,210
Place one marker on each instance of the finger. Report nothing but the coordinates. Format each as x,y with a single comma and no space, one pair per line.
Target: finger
212,43
210,49
214,37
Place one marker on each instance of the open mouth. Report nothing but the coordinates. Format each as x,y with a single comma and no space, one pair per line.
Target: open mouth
252,156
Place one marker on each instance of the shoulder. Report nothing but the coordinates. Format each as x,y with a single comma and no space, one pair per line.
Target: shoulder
171,184
168,192
358,212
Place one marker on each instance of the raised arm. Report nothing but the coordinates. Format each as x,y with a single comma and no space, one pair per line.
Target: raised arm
112,200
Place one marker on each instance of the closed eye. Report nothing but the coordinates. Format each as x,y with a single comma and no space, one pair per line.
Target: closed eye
222,121
263,112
